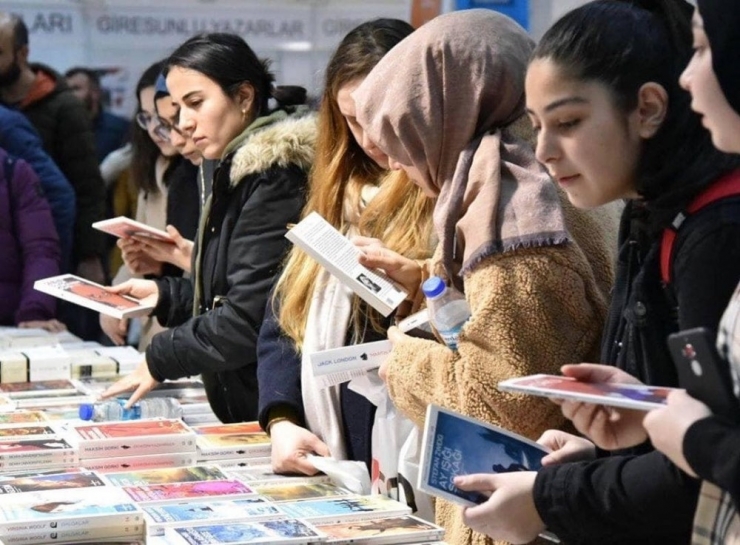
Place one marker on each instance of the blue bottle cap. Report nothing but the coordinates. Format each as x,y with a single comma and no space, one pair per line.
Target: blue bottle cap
433,286
86,412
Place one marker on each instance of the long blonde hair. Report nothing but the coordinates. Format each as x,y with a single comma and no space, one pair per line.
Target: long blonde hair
399,215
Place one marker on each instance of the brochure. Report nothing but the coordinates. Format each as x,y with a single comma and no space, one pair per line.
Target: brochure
630,396
455,444
91,295
123,227
335,252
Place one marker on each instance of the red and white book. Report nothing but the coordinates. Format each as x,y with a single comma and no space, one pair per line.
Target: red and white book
123,227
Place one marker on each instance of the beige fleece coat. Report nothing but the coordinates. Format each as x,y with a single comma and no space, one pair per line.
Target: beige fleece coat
533,310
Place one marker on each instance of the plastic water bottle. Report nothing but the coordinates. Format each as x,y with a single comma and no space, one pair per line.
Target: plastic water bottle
153,407
448,309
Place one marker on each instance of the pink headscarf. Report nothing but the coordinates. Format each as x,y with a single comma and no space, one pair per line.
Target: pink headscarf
449,100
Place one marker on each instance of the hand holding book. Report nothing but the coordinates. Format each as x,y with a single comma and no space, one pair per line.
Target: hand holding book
402,270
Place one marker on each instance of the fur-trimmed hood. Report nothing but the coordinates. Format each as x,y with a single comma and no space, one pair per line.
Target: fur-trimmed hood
276,140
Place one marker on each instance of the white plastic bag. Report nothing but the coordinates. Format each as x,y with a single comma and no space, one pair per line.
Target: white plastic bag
345,473
421,503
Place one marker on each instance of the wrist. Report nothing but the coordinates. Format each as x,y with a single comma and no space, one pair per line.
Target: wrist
279,415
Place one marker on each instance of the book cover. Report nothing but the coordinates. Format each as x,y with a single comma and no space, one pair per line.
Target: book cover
22,417
455,444
300,491
227,489
13,367
190,513
132,437
38,389
338,365
67,508
52,400
123,227
386,530
12,432
232,441
91,295
630,396
141,461
345,509
53,481
274,532
166,476
263,474
29,453
336,253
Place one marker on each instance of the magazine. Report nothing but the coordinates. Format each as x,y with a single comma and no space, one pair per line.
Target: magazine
177,492
319,239
273,532
91,295
123,227
337,365
630,396
455,444
385,530
166,476
192,513
345,509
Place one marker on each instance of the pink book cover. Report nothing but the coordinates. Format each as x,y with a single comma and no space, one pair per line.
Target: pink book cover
123,227
223,429
132,428
227,489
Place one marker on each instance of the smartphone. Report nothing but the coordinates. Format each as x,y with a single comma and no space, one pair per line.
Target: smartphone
703,372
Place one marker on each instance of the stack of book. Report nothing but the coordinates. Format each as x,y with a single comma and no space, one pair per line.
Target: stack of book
58,399
66,507
118,446
16,338
233,445
34,446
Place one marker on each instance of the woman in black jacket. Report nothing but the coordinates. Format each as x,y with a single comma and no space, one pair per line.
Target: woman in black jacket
603,93
222,90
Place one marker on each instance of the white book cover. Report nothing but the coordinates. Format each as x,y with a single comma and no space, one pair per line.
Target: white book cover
630,396
338,365
91,295
123,227
94,507
130,438
335,252
100,535
47,363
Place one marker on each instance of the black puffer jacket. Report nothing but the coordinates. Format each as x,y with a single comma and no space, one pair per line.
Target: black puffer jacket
215,318
66,130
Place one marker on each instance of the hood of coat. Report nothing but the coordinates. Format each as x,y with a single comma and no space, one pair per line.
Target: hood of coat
286,140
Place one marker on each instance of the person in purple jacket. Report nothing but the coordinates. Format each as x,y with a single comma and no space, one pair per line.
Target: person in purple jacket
30,247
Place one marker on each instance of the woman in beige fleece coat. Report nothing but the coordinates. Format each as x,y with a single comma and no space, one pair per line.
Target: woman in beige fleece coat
535,271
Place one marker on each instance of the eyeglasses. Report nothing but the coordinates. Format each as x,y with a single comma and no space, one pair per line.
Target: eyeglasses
145,119
164,129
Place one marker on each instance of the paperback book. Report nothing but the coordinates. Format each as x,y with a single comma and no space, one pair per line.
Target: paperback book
123,227
39,388
176,492
29,453
131,438
384,530
142,461
53,481
66,509
300,491
93,296
264,475
629,396
338,365
273,532
240,440
22,417
190,513
454,444
99,535
336,253
345,509
13,432
170,475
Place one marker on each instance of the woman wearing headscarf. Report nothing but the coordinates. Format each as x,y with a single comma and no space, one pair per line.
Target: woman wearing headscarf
535,271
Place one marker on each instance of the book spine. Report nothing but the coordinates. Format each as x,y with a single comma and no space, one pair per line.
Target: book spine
139,462
114,521
134,446
246,452
34,459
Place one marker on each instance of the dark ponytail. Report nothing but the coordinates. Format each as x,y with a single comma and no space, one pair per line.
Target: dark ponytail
229,61
624,44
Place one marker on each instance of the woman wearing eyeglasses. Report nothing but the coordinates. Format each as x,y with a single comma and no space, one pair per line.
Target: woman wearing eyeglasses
164,182
224,94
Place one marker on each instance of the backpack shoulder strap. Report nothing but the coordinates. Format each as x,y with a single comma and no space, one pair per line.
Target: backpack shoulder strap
726,186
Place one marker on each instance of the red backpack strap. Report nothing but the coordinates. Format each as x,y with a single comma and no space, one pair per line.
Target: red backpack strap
726,186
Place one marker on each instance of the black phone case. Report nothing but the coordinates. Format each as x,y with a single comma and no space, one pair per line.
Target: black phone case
703,372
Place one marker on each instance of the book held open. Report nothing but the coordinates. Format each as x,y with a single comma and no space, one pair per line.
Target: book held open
336,253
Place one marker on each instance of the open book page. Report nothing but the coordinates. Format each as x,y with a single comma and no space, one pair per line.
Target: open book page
335,252
91,295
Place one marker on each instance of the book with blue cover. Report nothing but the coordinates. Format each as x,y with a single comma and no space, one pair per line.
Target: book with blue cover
191,513
274,532
455,444
345,509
